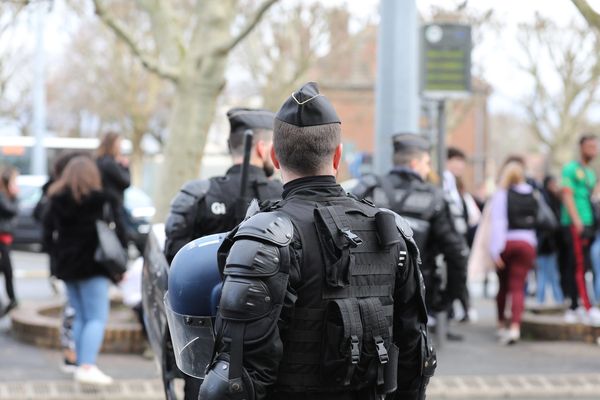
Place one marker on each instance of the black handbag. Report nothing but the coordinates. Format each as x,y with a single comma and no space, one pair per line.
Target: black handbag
110,253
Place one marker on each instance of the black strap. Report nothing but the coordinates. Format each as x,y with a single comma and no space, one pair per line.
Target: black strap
358,291
236,367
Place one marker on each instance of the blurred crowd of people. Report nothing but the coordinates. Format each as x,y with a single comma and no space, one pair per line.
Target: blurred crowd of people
548,227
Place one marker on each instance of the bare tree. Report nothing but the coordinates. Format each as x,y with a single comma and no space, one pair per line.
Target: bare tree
193,56
113,91
590,15
566,88
13,92
279,54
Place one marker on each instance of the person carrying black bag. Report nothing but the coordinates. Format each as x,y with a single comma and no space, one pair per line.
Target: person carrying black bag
76,202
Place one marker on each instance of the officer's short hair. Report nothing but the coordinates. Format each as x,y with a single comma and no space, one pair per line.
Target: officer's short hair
305,150
404,157
236,139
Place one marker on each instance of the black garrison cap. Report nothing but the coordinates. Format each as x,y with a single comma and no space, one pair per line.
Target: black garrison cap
410,142
241,119
307,107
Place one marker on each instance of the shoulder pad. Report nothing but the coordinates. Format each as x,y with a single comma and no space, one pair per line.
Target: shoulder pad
401,223
274,227
365,185
197,188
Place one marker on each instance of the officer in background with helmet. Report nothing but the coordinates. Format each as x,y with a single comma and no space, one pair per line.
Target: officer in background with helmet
208,206
405,191
322,294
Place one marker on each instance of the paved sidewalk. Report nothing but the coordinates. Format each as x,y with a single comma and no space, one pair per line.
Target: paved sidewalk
477,368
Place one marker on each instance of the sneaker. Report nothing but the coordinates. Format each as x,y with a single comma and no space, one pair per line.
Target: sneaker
92,375
594,316
570,317
68,367
501,332
511,336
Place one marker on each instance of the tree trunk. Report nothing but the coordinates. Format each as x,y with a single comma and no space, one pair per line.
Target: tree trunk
190,120
137,158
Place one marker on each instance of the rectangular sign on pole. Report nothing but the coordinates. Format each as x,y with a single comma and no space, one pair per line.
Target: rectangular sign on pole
445,61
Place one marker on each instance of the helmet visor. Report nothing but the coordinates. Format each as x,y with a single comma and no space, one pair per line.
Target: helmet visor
193,341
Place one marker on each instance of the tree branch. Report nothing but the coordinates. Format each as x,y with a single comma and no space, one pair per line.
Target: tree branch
250,24
591,16
150,63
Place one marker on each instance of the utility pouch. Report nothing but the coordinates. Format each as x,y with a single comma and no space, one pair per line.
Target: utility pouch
336,239
390,372
387,230
342,342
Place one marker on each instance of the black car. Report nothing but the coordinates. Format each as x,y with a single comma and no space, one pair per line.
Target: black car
138,206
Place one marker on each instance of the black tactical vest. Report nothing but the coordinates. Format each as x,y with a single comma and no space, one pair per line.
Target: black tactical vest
414,200
522,210
339,338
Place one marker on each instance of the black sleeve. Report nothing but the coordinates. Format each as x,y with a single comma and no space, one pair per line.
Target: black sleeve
410,334
116,173
8,207
48,226
262,344
453,246
180,226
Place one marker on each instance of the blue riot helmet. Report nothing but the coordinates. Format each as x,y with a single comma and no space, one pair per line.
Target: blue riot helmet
191,303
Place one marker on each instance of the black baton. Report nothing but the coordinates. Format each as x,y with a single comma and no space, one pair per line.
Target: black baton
246,163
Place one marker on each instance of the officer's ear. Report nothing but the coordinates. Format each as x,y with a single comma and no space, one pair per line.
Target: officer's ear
337,156
261,149
274,158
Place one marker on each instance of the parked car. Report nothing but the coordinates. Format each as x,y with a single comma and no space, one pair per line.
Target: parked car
138,206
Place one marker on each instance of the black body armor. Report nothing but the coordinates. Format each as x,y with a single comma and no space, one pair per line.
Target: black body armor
320,291
424,207
208,206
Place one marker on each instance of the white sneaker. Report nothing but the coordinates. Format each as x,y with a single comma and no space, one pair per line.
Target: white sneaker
582,315
93,376
570,316
512,336
594,316
500,333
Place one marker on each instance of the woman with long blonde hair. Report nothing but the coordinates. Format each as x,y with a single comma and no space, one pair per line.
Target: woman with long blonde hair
76,202
512,243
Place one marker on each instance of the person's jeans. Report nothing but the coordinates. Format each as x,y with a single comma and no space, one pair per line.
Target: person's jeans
548,273
595,258
89,298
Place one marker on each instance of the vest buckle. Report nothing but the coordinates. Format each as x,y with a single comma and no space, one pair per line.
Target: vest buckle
352,238
354,349
381,350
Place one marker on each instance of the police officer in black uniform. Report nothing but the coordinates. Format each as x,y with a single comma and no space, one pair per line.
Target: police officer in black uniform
322,295
207,206
423,205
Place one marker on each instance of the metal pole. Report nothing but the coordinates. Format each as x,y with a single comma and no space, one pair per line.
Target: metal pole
39,163
441,142
397,86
